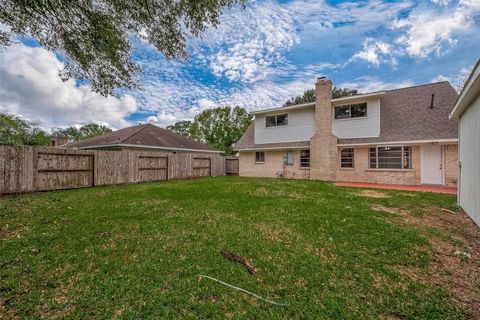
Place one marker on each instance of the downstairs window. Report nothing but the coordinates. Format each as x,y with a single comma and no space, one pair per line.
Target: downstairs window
288,158
305,158
259,156
395,157
346,158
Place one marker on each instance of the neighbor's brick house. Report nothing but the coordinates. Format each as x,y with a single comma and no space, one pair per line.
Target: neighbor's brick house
401,136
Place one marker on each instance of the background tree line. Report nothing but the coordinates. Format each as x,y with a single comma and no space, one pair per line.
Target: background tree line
15,131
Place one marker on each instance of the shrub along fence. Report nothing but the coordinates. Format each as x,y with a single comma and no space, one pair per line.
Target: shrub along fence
27,169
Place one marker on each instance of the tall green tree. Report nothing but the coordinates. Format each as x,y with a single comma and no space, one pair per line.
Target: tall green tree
95,37
183,127
15,131
309,96
219,127
305,97
343,92
84,132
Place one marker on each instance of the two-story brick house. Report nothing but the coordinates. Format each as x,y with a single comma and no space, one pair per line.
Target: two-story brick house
402,136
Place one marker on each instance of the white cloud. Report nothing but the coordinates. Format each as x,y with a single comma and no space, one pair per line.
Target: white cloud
248,45
206,104
430,31
457,80
441,2
371,84
152,120
375,52
251,45
439,78
31,88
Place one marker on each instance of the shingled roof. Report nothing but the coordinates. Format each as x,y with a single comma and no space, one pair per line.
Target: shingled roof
143,136
405,115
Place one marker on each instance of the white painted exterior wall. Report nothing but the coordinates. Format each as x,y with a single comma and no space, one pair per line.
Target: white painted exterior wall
469,157
359,127
301,127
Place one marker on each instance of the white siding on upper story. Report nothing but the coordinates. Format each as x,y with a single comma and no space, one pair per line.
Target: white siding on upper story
359,127
301,127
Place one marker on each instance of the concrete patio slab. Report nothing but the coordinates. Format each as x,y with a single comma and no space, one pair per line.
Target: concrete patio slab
422,188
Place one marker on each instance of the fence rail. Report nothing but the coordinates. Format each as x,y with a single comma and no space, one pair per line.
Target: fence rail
27,169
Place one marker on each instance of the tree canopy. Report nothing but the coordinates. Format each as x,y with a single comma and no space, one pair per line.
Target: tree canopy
309,96
220,127
15,132
95,37
84,132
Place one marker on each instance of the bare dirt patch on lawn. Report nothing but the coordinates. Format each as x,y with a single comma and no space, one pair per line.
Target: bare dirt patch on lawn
373,194
455,259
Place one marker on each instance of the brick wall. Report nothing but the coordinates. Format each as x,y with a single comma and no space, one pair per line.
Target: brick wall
323,144
273,164
450,153
361,172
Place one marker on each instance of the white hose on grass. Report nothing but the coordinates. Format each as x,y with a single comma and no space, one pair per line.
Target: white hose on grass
243,290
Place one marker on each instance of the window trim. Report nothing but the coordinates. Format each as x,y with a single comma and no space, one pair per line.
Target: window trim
302,166
285,158
276,121
350,113
256,161
353,159
402,159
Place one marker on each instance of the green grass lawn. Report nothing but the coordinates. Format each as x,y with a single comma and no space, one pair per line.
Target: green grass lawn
136,251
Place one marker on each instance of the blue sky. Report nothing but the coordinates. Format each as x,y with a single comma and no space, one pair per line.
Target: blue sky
273,50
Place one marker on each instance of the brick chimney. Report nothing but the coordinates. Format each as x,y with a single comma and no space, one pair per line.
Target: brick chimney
323,144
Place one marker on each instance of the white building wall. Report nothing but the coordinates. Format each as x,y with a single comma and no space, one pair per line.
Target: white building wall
469,156
301,126
359,127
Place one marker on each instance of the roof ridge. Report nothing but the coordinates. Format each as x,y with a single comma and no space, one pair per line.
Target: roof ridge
142,126
419,85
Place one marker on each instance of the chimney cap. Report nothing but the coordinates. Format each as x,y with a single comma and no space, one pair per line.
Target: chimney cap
321,78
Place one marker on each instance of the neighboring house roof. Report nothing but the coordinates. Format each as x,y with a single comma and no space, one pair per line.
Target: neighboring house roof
470,91
246,142
143,136
405,116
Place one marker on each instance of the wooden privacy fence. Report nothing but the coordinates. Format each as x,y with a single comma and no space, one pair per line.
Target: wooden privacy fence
27,169
231,166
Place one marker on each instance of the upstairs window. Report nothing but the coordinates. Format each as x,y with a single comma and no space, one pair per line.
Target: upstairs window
305,158
347,158
277,120
358,110
390,158
259,156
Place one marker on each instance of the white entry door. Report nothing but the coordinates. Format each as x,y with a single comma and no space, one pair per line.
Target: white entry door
431,164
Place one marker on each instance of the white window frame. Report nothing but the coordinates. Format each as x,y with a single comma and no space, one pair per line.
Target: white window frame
350,113
302,163
402,158
276,120
288,158
259,153
353,159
